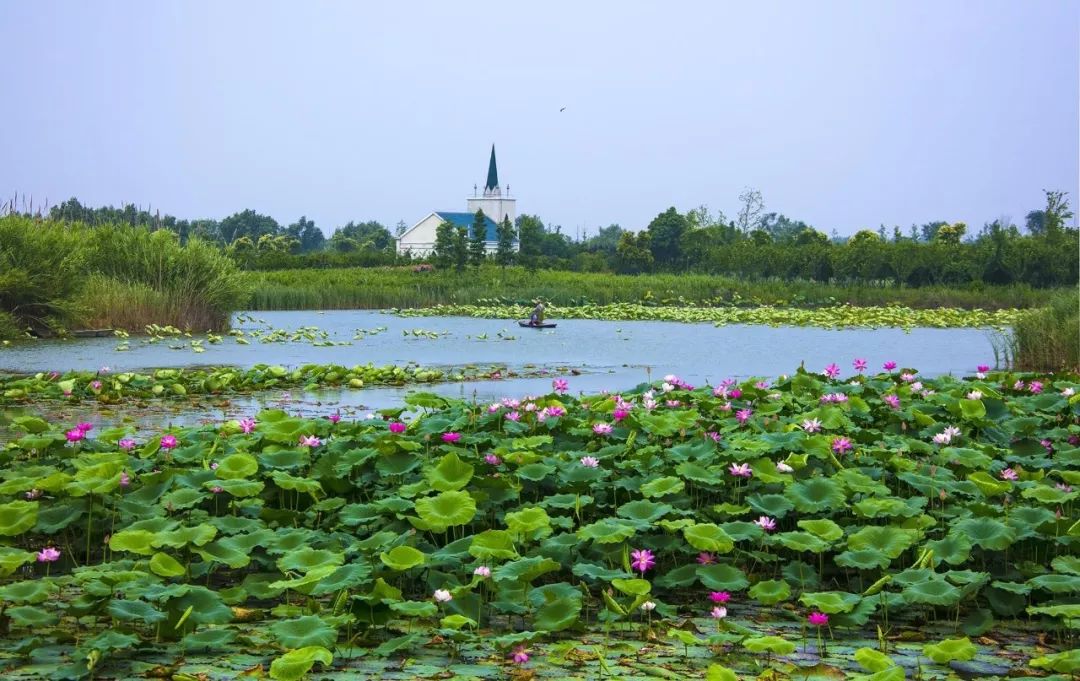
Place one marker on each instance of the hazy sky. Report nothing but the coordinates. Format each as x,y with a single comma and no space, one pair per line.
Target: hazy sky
844,114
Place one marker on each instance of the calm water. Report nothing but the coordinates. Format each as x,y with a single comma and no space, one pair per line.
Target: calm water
611,355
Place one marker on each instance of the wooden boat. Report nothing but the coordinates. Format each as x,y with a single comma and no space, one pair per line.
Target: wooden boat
545,325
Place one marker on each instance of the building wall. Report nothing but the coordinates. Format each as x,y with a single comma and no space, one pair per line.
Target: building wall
420,238
495,207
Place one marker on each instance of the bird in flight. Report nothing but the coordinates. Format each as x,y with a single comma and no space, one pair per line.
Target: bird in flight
562,109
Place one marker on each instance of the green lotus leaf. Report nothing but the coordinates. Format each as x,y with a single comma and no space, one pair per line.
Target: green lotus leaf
775,505
953,549
972,410
873,660
1066,564
831,602
30,616
1045,494
209,639
823,528
889,507
180,537
456,622
741,530
529,523
1058,584
297,484
231,551
207,607
1067,662
769,644
11,559
801,541
644,511
451,473
309,630
632,587
890,541
295,664
164,565
662,487
608,531
345,577
1069,611
722,577
934,591
697,473
989,485
237,466
950,650
237,488
399,463
183,498
717,672
816,495
415,608
708,537
558,606
32,591
307,559
524,569
17,517
446,510
402,558
863,559
126,610
135,541
987,533
770,591
535,472
493,545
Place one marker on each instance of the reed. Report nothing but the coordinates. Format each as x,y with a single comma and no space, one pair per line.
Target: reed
1048,339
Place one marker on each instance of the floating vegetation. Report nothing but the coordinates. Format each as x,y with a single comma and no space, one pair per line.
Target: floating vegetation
668,531
108,387
835,317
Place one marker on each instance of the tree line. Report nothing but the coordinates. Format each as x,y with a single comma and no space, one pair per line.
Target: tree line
755,244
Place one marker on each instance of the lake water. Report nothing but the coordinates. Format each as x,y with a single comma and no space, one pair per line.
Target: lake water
610,355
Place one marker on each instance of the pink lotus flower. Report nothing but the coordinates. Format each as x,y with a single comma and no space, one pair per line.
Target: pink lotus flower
247,425
713,435
783,467
907,378
216,490
762,385
818,619
74,435
811,425
309,441
942,439
705,558
492,459
889,366
482,571
213,465
48,555
841,445
620,414
168,441
33,494
443,596
916,386
766,523
590,461
726,406
556,410
95,385
602,428
451,438
832,371
103,370
334,418
741,470
859,364
642,560
1009,474
892,400
648,606
743,415
1035,387
719,596
513,416
560,385
720,391
719,612
1063,487
975,395
1068,392
85,427
396,427
735,394
125,479
982,368
1019,385
520,655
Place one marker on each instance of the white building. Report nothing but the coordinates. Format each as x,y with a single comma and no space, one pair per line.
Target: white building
420,238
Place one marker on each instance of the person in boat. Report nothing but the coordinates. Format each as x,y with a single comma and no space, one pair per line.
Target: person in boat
537,316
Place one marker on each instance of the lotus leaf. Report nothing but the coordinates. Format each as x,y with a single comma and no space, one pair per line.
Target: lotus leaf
831,602
769,644
415,608
211,639
950,649
126,610
708,537
402,558
237,466
307,559
1058,584
304,631
801,541
775,505
295,664
953,549
524,569
890,541
873,660
662,487
17,517
987,533
771,591
722,577
1067,662
717,672
451,473
608,531
644,511
445,510
823,528
632,587
529,523
164,565
816,495
934,591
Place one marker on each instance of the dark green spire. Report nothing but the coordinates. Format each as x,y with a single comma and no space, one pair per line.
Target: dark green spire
493,172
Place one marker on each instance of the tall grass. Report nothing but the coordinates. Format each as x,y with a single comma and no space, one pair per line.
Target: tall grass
56,276
384,287
1048,339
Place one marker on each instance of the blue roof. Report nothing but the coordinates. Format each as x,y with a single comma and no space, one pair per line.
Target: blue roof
467,219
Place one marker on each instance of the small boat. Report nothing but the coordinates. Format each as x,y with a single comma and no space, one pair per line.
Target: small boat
545,325
92,333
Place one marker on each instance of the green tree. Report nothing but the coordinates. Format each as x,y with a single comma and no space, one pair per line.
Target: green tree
951,234
530,231
749,216
444,244
308,237
362,236
504,253
478,239
809,236
461,248
665,237
250,224
1056,213
633,255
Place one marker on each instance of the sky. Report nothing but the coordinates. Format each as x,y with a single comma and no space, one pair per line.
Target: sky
844,114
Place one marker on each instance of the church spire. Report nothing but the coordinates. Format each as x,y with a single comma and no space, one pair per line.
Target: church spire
493,173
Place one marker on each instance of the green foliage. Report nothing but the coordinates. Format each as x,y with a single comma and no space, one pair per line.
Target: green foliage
477,240
507,235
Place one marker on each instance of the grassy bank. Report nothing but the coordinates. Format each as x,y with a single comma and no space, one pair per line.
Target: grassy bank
386,287
1048,339
56,277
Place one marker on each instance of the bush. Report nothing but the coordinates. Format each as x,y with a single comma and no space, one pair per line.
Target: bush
42,266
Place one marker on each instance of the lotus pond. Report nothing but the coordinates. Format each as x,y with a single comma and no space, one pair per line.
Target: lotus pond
876,526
